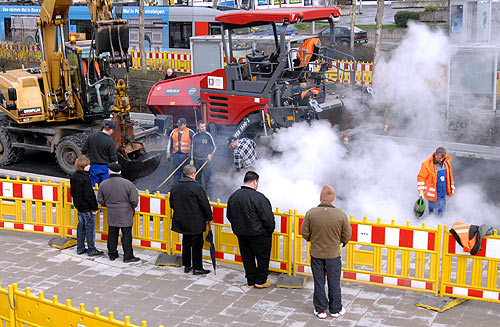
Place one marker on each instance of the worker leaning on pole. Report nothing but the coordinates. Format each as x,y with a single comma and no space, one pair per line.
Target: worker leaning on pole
435,180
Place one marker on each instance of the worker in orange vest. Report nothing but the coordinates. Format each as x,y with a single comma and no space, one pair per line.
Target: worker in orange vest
308,51
435,180
179,146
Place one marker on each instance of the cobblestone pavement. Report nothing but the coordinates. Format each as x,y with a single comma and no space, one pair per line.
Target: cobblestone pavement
165,295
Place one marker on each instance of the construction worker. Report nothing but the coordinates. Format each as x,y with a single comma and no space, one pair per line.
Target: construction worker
203,151
435,180
179,146
244,154
307,52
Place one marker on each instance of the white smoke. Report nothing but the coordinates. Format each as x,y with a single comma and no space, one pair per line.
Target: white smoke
375,179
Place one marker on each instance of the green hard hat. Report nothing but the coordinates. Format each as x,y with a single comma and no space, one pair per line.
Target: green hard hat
419,207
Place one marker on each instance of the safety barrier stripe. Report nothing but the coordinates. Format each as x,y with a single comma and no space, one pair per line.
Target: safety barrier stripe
29,227
393,237
29,191
415,284
467,292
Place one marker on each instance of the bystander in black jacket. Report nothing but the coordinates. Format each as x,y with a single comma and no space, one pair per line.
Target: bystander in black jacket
101,149
191,207
82,193
250,212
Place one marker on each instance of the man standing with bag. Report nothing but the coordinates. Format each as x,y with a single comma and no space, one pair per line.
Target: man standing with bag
120,197
326,227
191,214
252,221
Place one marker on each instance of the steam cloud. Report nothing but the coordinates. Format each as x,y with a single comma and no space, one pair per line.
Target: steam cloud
375,179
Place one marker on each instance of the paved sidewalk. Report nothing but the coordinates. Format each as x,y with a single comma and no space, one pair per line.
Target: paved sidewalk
165,295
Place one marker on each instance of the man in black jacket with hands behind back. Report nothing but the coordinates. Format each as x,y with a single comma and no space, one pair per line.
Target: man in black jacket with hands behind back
252,221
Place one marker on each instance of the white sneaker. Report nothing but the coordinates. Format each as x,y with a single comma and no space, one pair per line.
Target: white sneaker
338,314
320,315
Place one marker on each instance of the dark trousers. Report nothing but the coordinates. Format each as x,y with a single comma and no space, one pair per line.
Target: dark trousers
205,172
255,247
192,244
333,268
177,159
128,252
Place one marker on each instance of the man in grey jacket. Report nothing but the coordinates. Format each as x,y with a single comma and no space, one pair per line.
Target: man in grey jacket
326,227
120,197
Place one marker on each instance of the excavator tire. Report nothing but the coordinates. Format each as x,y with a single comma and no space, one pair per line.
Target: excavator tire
8,154
68,149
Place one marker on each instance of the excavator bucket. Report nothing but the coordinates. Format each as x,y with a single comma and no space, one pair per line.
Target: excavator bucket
112,36
135,162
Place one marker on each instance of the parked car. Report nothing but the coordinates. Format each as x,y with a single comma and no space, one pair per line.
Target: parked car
343,35
268,30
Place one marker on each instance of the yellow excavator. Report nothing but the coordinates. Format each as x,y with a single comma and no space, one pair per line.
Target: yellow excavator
54,107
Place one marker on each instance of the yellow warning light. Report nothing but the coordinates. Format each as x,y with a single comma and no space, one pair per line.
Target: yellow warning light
172,103
289,117
72,39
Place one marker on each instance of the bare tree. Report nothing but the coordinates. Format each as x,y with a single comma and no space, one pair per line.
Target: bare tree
328,3
378,33
142,47
353,19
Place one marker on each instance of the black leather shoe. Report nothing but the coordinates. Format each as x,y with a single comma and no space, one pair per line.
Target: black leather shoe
187,269
82,252
113,257
133,259
200,271
95,253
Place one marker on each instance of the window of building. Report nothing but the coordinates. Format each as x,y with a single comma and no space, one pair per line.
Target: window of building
180,32
8,29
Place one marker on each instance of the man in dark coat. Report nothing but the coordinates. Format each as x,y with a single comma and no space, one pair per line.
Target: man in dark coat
120,197
85,202
191,213
100,148
252,221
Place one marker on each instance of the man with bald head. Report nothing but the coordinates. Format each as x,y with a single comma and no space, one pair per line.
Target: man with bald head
326,227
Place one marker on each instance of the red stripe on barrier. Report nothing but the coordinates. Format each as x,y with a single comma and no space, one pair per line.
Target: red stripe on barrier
18,226
475,293
377,279
378,235
69,232
354,235
301,220
163,207
449,289
178,247
218,255
37,192
482,252
1,224
429,286
404,282
145,205
68,195
55,194
300,268
17,190
104,237
146,243
406,238
431,241
1,188
38,228
218,215
237,258
284,222
283,266
163,246
451,244
349,275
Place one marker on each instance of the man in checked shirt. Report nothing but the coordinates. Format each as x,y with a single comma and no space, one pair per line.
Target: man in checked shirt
244,152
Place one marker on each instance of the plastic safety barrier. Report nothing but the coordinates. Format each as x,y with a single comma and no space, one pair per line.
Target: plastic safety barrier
387,255
33,207
19,308
151,227
226,243
469,276
156,60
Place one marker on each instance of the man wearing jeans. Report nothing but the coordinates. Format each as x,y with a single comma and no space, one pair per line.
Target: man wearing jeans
326,227
85,202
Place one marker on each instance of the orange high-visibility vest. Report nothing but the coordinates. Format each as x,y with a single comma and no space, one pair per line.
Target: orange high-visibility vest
96,66
305,52
462,231
185,141
427,178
